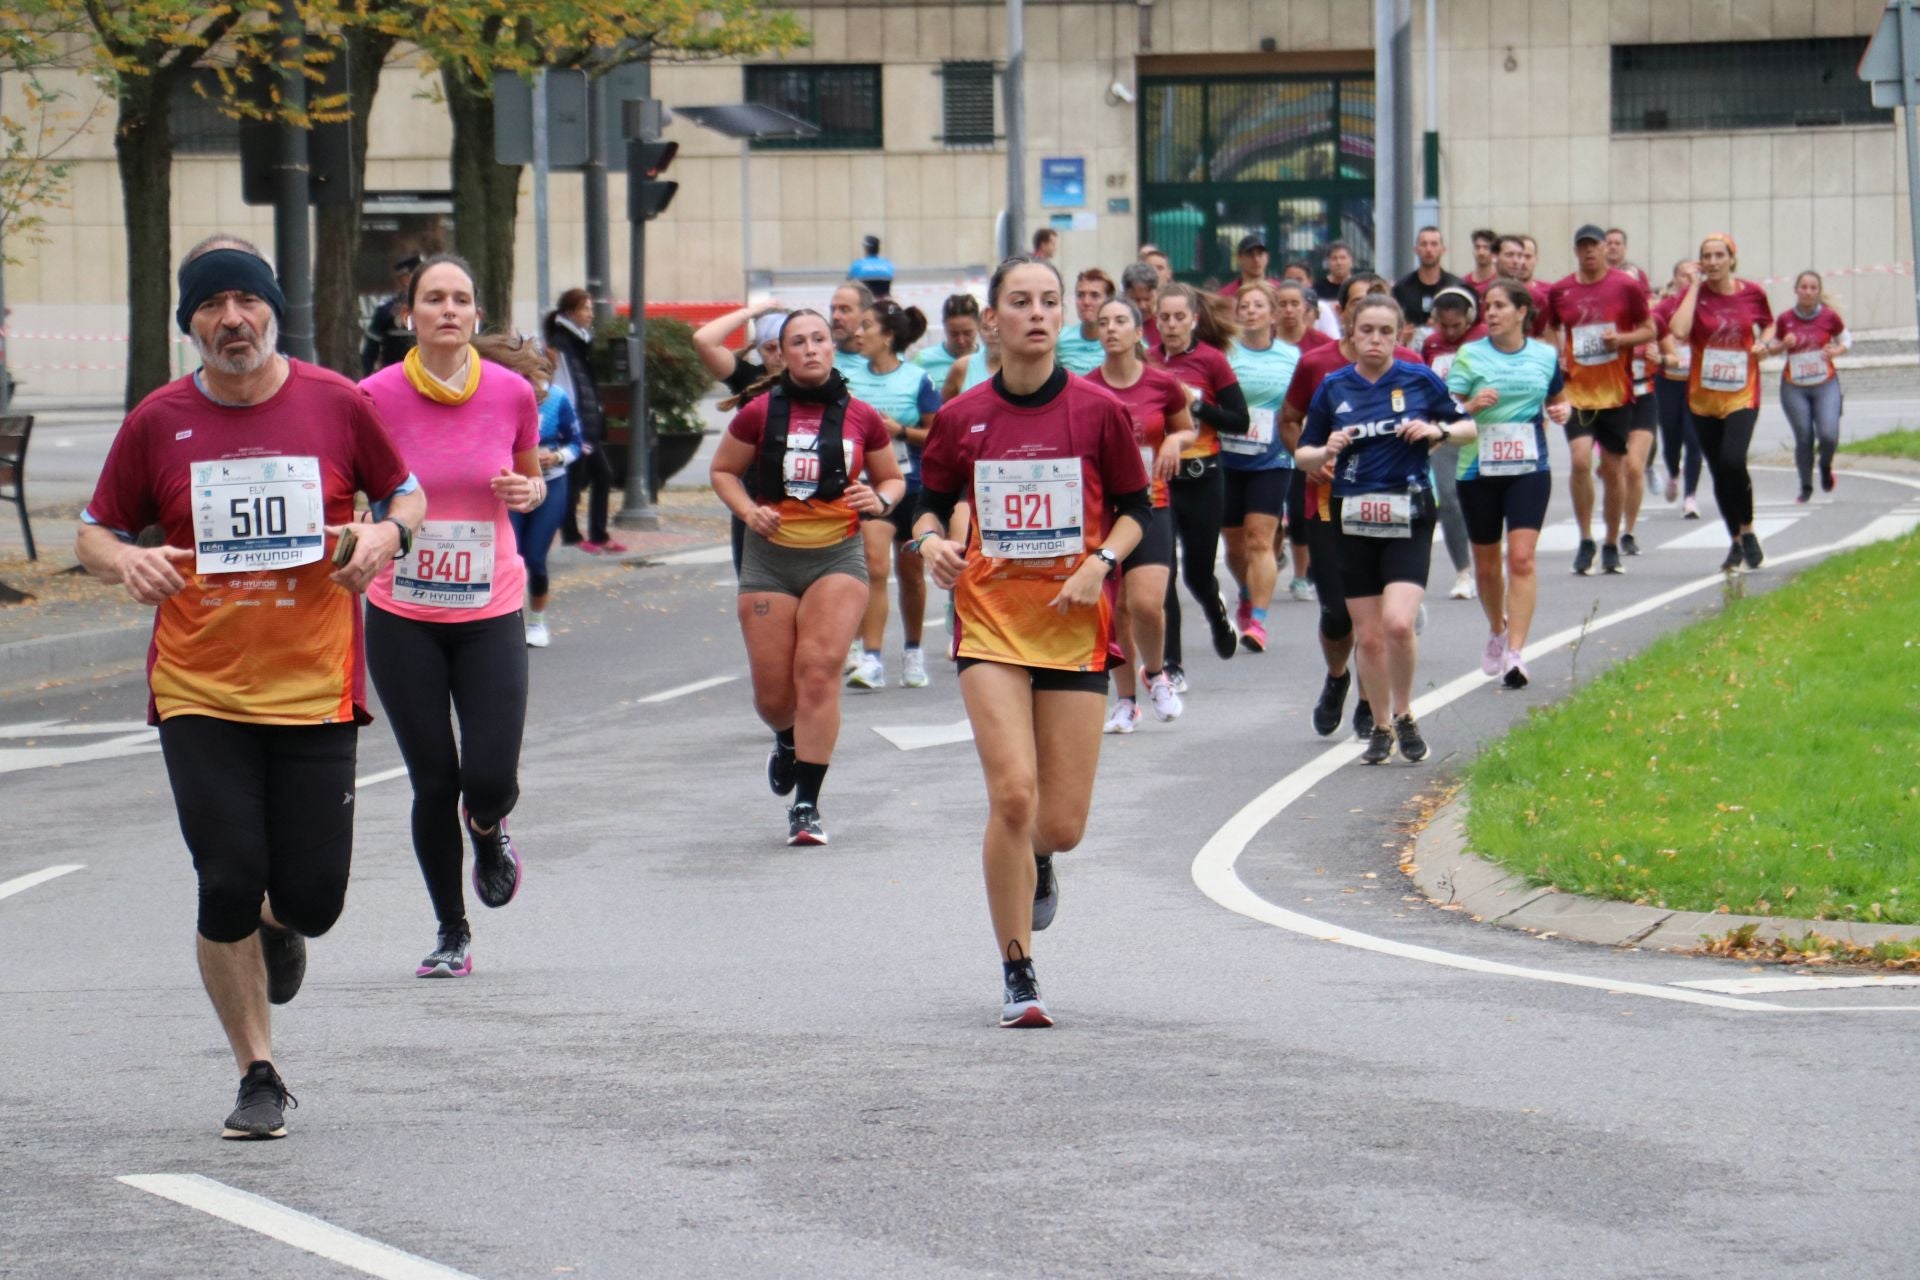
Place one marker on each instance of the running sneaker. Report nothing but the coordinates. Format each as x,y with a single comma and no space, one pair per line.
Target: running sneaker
591,547
260,1109
1163,698
538,637
1226,641
913,669
1243,615
1750,551
1629,545
1463,586
1804,496
1332,707
780,763
1493,653
1583,558
854,653
1046,892
285,953
1610,559
1732,563
1407,734
1124,718
1516,673
1253,637
1827,482
1362,718
1420,620
1673,488
1021,1005
870,674
451,957
803,825
496,863
1301,589
1176,675
1692,510
1379,746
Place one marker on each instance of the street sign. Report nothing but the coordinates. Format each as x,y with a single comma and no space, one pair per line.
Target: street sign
566,118
1880,65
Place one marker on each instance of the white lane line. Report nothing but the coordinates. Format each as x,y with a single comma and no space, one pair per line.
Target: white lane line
1797,982
385,775
1213,867
699,555
681,691
20,884
290,1226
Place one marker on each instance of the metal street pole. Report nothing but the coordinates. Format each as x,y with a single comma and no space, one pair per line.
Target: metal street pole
636,506
1909,64
6,380
594,193
291,219
746,228
542,255
1014,85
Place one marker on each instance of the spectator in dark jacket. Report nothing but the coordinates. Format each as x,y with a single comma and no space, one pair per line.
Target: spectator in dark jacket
569,334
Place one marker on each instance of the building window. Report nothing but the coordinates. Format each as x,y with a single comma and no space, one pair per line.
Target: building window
199,127
1741,84
843,101
966,99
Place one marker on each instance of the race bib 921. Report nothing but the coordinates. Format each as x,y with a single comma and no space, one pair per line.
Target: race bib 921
1030,510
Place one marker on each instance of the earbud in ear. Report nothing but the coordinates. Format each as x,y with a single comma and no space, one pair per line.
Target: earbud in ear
409,324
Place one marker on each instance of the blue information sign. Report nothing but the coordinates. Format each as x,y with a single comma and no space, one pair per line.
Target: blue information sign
1063,182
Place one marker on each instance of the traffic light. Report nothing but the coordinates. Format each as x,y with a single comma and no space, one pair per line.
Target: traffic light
648,196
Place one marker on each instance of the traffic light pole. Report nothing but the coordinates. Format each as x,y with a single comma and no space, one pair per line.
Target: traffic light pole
636,508
292,252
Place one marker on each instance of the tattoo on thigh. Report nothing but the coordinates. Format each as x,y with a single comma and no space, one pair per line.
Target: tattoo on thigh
761,608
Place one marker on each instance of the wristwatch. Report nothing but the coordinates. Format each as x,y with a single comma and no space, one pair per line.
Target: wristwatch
406,537
1107,558
886,503
1446,435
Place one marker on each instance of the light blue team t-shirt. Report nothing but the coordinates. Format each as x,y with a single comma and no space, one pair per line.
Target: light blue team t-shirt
1264,377
847,363
936,360
905,395
977,371
1079,354
1526,379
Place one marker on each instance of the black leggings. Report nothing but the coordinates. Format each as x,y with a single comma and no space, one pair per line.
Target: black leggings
1677,432
1198,504
481,667
1725,441
1323,549
267,812
590,471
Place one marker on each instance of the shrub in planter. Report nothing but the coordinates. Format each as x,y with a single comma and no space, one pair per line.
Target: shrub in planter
675,382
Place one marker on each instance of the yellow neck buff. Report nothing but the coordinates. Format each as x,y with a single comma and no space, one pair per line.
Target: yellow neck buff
434,389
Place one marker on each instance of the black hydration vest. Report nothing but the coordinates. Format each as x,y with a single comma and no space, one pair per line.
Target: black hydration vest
771,478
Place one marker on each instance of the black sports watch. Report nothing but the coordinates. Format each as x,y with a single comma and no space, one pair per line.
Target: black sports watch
406,537
1107,558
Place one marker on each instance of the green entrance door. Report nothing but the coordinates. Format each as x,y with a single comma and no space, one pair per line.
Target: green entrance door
1290,157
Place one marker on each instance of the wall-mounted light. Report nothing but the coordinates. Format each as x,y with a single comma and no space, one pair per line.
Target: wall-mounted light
1118,93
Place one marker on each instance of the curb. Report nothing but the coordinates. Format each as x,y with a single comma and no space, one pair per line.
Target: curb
71,656
1448,875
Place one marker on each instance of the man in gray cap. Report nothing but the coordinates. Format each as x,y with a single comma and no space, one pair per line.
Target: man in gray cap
1252,258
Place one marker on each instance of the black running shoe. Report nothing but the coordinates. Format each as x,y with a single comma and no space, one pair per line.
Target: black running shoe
1583,558
1362,718
1750,551
1046,892
1629,545
451,957
1176,676
496,863
1732,563
1407,733
1610,559
780,762
261,1109
286,955
1826,477
803,825
1226,641
1332,707
1379,746
1021,1005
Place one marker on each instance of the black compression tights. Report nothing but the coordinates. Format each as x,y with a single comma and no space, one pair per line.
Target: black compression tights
1198,505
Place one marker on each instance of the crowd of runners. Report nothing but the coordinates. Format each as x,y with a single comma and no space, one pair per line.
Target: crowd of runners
1065,460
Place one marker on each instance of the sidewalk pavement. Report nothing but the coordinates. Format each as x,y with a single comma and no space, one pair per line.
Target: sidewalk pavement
78,628
1443,870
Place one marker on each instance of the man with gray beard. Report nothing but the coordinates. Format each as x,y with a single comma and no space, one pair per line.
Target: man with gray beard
256,671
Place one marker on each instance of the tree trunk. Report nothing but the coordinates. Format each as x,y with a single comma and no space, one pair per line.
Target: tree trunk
143,145
486,198
336,302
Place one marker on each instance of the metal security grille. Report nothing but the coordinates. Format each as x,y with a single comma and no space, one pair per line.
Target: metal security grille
199,128
966,100
842,101
1740,84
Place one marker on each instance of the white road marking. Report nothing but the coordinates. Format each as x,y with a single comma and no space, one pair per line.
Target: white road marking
290,1226
914,737
699,555
1798,982
20,884
63,729
1213,867
681,691
16,759
1713,537
385,775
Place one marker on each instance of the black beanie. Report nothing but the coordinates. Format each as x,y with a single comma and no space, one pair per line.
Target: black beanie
224,271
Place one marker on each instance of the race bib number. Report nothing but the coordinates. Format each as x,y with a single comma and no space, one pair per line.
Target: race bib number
451,566
1509,449
1639,369
903,455
1030,510
257,513
1723,369
1807,368
801,467
1147,455
1590,344
1377,515
1682,359
1259,437
1443,365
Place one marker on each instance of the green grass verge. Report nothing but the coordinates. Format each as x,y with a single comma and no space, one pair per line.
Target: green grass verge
1766,760
1904,443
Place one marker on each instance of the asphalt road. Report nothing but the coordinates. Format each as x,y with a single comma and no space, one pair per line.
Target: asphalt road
688,1050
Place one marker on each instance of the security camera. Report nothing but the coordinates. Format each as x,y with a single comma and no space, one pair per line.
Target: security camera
1119,92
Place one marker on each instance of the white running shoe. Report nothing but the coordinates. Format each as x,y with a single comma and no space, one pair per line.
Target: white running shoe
1463,588
1494,655
854,654
869,673
1165,699
1125,717
1301,589
1420,620
538,637
913,670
